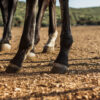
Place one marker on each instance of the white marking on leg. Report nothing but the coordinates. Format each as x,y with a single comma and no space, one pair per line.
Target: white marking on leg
30,55
5,47
52,39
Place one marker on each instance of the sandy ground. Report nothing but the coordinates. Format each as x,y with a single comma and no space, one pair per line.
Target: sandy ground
35,82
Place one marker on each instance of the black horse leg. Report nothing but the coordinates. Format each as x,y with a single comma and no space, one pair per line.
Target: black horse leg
61,63
8,8
4,10
27,39
49,47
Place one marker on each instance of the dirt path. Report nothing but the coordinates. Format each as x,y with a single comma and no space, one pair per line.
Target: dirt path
34,82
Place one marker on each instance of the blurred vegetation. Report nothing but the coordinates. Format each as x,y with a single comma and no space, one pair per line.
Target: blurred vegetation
82,16
85,16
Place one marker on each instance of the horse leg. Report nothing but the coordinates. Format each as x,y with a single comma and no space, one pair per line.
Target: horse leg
27,39
61,62
8,9
42,7
49,47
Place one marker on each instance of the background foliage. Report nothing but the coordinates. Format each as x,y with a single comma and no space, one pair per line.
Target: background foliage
82,16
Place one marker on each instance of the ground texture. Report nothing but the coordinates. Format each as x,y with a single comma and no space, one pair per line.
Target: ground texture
35,82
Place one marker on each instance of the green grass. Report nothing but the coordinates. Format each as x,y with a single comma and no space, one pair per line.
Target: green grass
82,16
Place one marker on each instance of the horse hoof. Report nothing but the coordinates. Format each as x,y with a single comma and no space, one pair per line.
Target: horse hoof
48,49
59,69
30,56
12,69
5,47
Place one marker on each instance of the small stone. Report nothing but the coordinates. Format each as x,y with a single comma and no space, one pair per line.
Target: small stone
85,97
17,89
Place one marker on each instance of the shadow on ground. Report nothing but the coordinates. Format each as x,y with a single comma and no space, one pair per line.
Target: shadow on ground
53,94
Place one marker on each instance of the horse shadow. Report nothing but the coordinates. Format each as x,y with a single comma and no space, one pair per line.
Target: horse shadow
69,71
55,93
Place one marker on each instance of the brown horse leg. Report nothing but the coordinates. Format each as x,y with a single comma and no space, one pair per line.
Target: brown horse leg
42,7
49,47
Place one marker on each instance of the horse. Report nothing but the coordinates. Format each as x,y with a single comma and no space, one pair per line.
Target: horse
27,40
52,33
8,8
43,4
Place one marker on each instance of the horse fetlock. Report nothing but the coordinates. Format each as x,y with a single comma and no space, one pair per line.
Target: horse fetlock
52,39
50,45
